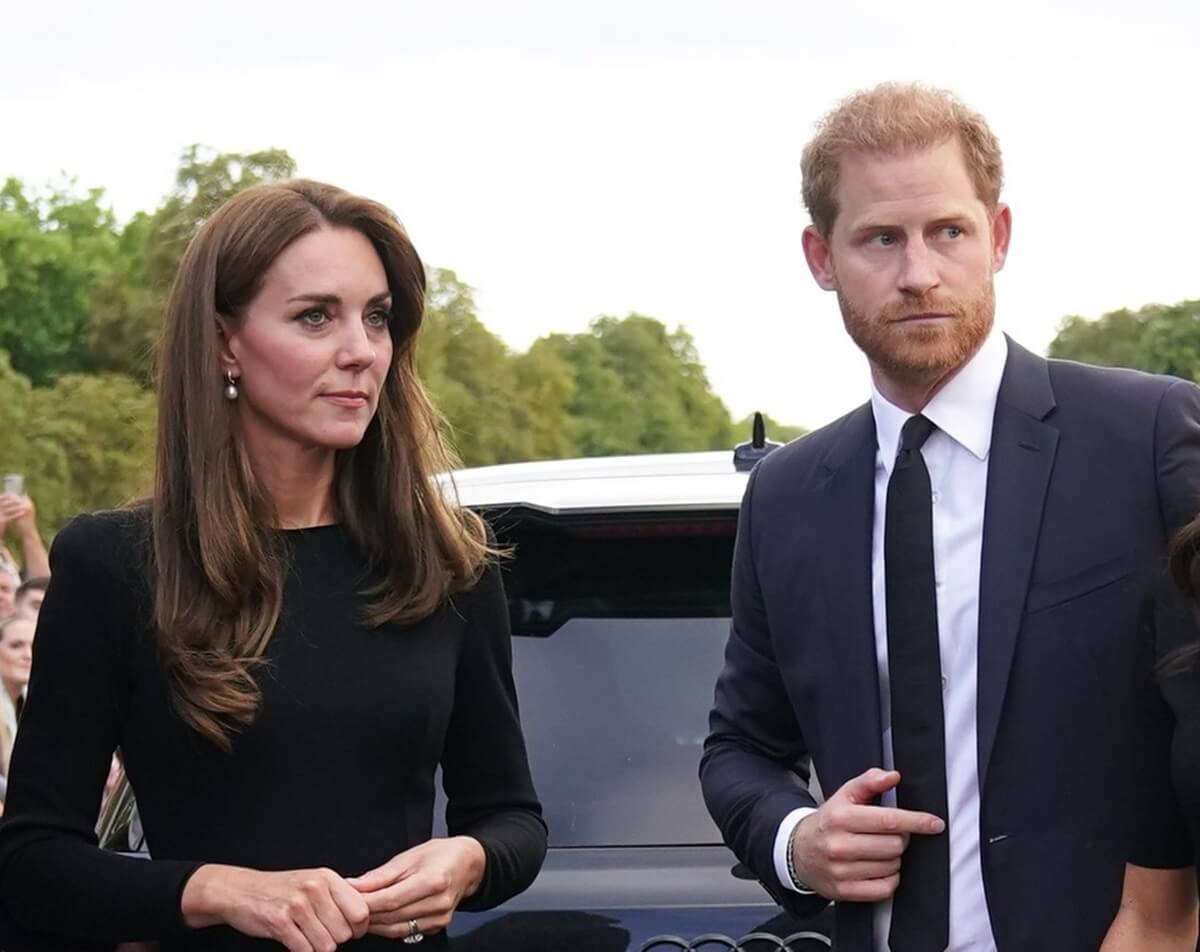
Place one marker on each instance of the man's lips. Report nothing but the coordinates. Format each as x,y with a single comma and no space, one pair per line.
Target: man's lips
925,316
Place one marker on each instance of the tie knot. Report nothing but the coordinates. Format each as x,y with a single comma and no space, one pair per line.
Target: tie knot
915,432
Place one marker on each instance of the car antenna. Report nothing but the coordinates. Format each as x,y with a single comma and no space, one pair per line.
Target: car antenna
745,455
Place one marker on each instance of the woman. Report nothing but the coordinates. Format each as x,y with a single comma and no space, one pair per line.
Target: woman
1160,906
16,641
16,657
289,638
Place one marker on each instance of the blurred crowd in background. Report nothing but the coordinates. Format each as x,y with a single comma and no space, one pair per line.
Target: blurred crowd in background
24,574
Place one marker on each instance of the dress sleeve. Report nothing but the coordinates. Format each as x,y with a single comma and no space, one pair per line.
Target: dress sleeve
54,878
485,769
1161,838
1177,454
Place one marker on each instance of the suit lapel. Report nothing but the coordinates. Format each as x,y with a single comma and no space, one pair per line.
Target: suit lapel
1020,462
848,490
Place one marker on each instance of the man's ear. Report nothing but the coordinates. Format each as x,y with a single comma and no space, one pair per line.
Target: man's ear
1001,235
819,257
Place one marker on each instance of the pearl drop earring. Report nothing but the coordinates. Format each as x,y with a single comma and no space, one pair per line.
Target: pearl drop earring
231,390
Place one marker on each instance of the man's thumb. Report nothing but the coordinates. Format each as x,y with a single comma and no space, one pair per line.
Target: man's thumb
868,785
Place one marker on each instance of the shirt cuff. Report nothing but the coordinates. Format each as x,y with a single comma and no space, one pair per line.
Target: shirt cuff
790,822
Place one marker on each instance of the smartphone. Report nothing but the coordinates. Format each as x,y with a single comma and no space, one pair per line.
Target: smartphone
14,483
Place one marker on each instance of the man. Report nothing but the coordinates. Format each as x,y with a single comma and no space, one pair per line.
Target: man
27,601
946,581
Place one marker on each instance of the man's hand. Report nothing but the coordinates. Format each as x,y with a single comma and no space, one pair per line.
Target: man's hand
424,885
850,849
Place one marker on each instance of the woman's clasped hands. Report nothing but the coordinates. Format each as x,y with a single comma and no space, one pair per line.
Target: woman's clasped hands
316,910
418,891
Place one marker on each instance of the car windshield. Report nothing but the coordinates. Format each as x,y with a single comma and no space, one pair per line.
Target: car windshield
619,627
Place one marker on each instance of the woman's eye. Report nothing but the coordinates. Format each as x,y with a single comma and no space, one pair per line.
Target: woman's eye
379,318
314,318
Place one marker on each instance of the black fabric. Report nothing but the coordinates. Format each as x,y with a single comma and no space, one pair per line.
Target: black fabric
921,908
337,770
1167,769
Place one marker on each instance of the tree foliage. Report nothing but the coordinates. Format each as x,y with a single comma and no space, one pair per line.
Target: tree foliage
82,297
1159,338
639,388
84,443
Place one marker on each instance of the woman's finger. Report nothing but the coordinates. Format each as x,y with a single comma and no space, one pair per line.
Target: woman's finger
400,930
401,894
315,931
431,907
353,906
394,870
292,938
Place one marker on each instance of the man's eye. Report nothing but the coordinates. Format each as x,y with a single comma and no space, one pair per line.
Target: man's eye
885,240
952,231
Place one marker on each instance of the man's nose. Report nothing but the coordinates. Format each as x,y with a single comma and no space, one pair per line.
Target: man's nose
919,272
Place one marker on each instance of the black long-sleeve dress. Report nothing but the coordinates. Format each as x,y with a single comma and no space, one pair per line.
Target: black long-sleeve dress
1166,767
337,770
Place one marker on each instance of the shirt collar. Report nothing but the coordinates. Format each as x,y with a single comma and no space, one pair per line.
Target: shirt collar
963,409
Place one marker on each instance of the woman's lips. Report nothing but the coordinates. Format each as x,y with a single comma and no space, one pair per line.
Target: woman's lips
354,399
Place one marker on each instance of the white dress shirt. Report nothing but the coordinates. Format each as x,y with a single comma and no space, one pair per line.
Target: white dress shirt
956,455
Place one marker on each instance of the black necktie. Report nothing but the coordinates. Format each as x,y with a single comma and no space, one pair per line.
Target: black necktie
921,906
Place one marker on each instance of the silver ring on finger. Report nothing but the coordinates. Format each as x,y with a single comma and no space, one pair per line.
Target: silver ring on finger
414,933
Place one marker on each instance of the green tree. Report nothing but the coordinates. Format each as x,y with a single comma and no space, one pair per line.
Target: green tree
640,388
84,443
54,246
1157,338
78,292
499,406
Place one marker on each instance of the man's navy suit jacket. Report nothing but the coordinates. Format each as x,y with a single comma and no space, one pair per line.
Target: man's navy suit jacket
1089,473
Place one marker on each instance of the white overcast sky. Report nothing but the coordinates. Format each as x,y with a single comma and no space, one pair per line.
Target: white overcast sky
570,158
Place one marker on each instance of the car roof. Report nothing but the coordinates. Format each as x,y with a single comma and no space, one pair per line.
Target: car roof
653,482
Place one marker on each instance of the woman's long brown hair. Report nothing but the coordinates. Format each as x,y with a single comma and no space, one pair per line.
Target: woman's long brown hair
218,565
1183,559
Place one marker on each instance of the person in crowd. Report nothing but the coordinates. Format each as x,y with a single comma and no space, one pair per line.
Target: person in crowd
1160,907
29,595
10,581
8,736
16,654
16,657
936,597
288,638
18,515
16,641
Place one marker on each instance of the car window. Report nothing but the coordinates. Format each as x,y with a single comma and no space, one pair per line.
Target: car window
619,629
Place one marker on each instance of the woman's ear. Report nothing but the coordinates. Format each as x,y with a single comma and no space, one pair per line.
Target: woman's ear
227,347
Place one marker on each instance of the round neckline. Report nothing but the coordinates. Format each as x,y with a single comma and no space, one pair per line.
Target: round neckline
302,530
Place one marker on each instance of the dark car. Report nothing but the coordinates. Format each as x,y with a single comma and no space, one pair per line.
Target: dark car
619,597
